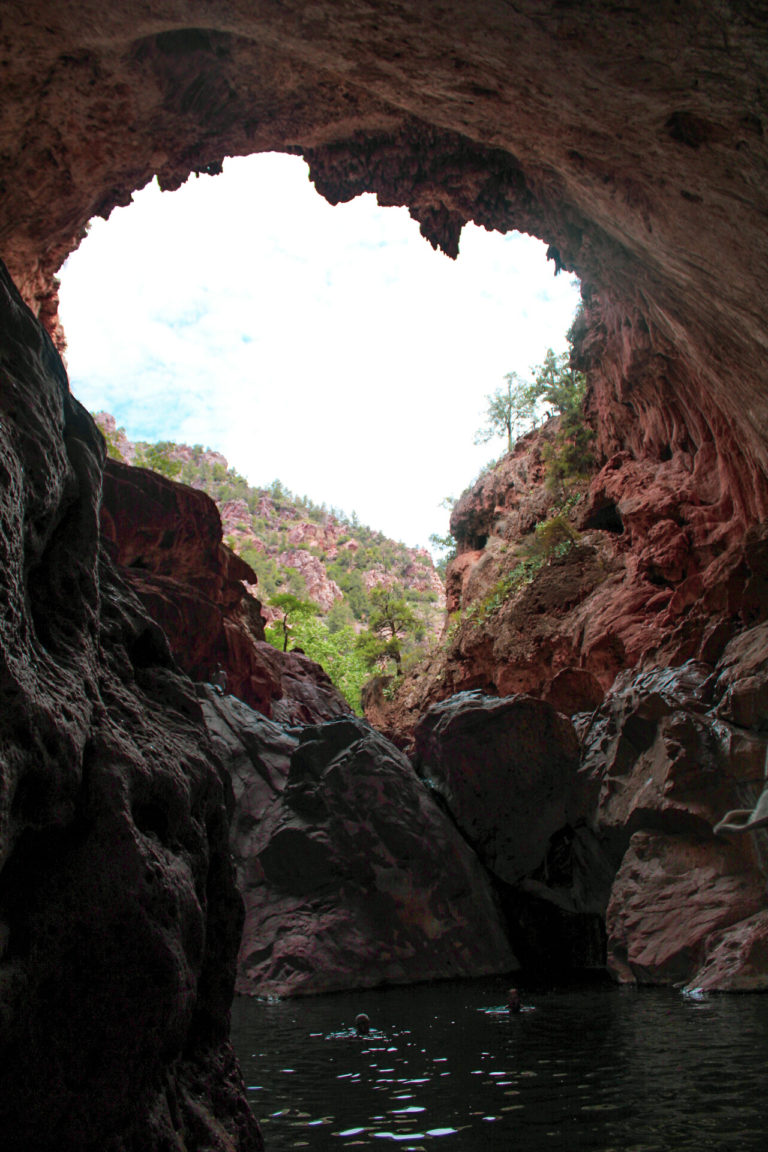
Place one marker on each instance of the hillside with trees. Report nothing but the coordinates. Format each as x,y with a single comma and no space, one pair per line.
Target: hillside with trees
327,582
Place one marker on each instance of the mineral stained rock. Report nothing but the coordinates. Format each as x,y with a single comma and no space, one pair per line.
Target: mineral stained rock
118,908
352,875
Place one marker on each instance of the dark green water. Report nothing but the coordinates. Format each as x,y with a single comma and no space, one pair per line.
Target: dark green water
589,1068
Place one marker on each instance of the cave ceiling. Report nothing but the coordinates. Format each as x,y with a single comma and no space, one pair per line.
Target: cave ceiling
630,137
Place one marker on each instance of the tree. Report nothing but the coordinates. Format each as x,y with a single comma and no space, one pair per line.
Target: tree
338,653
290,606
510,411
158,458
391,620
559,385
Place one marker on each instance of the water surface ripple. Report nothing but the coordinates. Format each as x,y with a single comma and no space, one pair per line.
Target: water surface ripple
445,1066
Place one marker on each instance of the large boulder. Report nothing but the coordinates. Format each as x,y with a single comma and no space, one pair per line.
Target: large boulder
672,892
675,767
351,874
507,768
662,759
736,958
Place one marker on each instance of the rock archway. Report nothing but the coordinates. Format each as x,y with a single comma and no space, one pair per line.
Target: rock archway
632,142
631,139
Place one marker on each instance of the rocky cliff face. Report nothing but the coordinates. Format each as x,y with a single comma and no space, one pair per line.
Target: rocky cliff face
274,526
119,916
647,627
166,539
660,567
352,875
634,143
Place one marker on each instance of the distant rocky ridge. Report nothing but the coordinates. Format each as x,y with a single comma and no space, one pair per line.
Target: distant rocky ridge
291,542
165,539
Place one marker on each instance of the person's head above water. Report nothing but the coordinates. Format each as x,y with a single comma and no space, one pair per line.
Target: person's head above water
362,1024
513,1000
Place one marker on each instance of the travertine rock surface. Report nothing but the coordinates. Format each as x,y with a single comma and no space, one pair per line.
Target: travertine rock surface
118,910
687,905
352,876
633,143
672,893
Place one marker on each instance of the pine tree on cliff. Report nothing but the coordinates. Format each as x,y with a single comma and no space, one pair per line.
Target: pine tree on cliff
290,606
559,385
509,413
391,620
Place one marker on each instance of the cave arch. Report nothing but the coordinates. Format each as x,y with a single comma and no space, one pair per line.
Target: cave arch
632,143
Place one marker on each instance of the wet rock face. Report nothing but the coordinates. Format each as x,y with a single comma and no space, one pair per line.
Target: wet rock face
507,771
351,874
119,917
673,754
671,895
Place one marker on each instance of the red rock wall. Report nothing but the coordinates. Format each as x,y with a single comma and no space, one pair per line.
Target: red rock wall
166,539
632,142
631,139
119,917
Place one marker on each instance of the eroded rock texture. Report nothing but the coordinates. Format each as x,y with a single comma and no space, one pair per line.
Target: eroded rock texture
120,918
672,755
633,141
352,876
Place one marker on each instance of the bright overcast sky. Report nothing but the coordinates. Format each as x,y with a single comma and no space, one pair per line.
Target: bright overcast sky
331,348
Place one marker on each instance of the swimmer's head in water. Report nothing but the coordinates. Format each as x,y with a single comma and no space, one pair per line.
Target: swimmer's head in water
362,1024
513,1000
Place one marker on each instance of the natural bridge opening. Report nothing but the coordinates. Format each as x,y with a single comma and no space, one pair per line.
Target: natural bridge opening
331,347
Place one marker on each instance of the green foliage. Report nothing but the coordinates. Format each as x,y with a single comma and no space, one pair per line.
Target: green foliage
509,412
112,439
558,389
159,458
552,539
292,608
551,535
340,616
391,621
337,652
560,386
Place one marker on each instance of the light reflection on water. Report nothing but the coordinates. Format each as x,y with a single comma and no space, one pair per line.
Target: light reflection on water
445,1066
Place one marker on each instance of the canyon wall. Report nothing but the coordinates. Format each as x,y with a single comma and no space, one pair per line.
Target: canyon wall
119,915
631,139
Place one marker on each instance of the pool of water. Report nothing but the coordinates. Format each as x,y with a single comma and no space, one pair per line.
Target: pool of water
446,1066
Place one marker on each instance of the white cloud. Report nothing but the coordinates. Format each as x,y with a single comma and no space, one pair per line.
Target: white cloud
329,347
